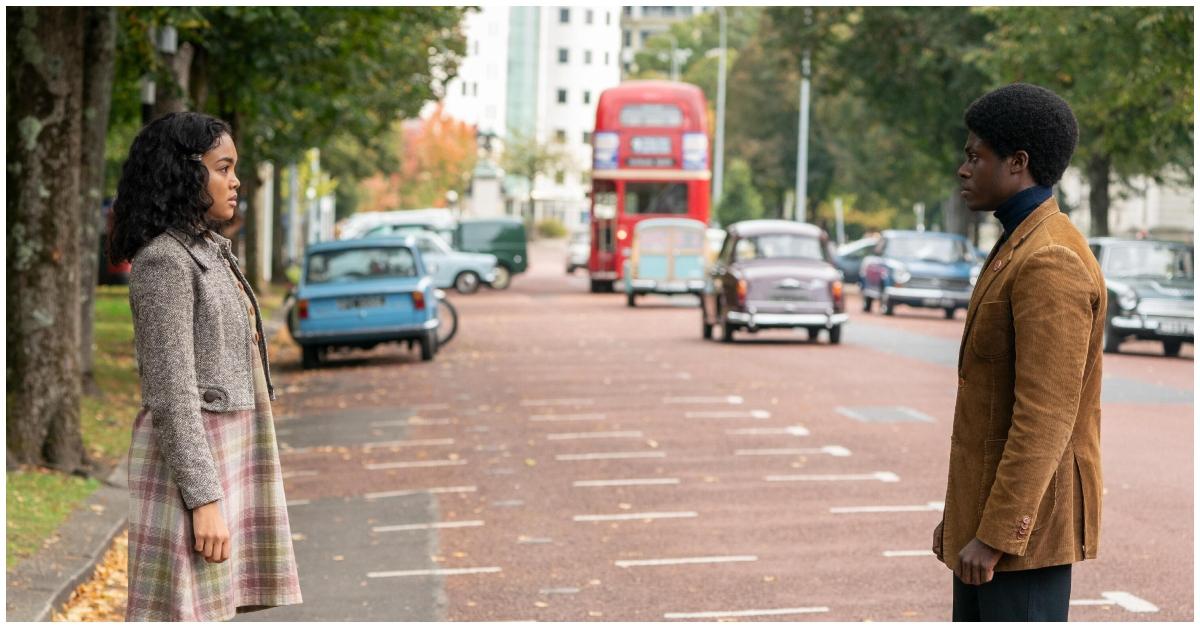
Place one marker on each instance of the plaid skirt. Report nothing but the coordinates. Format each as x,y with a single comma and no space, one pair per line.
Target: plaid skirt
168,579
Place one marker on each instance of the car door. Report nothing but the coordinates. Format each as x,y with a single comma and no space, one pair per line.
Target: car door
716,279
437,260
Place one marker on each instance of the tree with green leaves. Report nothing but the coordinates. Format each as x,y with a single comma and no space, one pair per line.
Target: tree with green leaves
527,158
740,200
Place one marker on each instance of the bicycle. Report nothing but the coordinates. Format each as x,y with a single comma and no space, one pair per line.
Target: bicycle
447,319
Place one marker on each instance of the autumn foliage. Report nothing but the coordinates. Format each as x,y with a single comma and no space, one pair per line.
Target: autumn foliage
436,154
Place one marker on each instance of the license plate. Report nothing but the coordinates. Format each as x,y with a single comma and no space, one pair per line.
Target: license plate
790,295
1175,328
938,302
651,145
672,287
359,303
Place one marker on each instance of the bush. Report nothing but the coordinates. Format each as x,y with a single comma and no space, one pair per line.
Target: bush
551,228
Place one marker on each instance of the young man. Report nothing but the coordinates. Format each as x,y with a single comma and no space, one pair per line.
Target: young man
1023,496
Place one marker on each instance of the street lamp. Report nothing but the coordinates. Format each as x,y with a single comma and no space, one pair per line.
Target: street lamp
802,140
719,144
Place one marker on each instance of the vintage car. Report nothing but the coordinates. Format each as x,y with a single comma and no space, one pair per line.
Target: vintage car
774,274
919,269
849,258
666,257
579,247
360,293
464,272
503,237
1151,291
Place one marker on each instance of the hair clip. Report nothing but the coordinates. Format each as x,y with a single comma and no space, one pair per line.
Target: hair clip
195,157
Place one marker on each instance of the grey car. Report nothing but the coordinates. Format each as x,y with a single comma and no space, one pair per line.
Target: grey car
1150,291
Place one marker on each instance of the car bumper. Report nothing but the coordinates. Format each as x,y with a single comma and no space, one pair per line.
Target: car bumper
1155,327
368,334
645,286
927,297
759,320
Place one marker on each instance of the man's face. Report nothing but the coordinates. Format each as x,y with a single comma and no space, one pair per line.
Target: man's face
983,177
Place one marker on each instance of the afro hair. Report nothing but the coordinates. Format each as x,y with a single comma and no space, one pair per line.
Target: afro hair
1029,118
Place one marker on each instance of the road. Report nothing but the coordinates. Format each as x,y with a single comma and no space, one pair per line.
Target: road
569,458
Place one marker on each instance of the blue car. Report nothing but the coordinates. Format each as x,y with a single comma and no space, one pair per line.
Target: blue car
361,293
919,269
667,257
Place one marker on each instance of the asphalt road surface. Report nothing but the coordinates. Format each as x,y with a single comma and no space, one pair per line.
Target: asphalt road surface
570,458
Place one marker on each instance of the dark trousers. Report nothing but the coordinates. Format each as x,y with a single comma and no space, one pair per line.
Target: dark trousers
1032,595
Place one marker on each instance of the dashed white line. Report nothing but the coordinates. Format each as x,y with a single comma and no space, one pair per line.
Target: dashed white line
437,490
748,613
299,474
906,553
431,406
428,442
440,525
878,476
928,507
793,430
587,435
292,503
414,464
589,416
533,403
612,455
729,399
410,421
637,516
629,482
1125,600
833,450
752,414
433,572
697,560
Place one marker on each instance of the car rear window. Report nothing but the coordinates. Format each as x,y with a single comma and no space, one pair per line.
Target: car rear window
936,249
779,245
385,262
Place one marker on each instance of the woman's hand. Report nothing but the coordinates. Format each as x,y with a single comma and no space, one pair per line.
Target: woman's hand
212,535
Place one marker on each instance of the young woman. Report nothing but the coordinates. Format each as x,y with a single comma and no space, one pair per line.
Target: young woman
208,526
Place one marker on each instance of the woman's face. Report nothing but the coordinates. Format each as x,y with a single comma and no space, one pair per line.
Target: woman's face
223,184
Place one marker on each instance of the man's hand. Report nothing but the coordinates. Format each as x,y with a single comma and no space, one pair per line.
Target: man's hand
212,535
976,562
937,541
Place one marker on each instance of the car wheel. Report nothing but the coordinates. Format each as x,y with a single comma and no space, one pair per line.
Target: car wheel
706,330
1112,342
310,357
727,332
950,313
887,306
466,282
630,299
503,278
813,332
1172,347
835,335
867,303
428,346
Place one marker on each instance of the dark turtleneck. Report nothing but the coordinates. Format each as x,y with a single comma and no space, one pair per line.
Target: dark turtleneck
1018,206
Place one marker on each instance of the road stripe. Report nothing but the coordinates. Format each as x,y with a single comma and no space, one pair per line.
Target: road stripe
440,525
832,450
729,399
929,507
299,474
437,490
411,421
698,560
907,553
629,482
428,442
794,430
637,516
748,613
431,406
292,503
433,572
879,476
1125,600
586,435
591,416
532,403
413,464
612,455
736,414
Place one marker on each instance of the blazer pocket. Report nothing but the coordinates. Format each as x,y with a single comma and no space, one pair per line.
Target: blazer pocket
992,332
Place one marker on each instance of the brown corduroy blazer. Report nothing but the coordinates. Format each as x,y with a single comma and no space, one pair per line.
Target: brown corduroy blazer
1025,449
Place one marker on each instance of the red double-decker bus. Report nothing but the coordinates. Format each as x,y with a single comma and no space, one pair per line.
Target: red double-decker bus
649,160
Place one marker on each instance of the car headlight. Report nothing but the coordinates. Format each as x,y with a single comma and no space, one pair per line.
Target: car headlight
900,275
975,270
1126,298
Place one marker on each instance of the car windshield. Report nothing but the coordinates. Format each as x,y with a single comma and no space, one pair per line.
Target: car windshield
940,250
1150,260
779,245
359,264
430,243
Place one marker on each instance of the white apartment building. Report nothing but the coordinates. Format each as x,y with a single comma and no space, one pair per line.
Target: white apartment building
639,24
477,94
1142,206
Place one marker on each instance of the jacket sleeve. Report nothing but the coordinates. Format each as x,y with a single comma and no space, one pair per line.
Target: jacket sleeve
1052,304
161,296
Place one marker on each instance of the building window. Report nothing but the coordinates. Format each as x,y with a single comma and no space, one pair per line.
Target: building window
628,38
464,84
651,11
587,97
587,57
668,11
606,58
560,177
685,11
608,18
629,11
562,55
474,89
476,46
560,135
588,17
646,35
564,16
562,96
587,137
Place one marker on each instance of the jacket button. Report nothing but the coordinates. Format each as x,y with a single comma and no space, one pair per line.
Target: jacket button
211,396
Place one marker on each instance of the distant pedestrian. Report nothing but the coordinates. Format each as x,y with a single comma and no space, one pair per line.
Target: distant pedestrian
208,525
1023,496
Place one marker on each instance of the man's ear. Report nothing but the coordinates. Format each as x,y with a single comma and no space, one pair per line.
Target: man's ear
1018,161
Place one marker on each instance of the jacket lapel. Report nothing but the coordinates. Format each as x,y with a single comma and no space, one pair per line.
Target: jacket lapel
190,245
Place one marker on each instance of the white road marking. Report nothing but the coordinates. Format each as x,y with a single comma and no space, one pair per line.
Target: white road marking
299,474
793,430
440,525
629,482
1127,601
414,464
698,560
612,455
736,414
531,403
638,516
438,490
291,503
591,416
730,399
748,613
833,450
585,435
431,406
906,553
412,421
433,572
428,442
559,591
880,476
929,507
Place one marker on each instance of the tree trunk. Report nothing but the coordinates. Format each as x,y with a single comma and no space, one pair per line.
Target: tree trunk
172,98
250,184
279,235
957,216
45,66
1098,169
100,32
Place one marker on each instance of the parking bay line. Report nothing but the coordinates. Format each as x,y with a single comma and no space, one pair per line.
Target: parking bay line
697,560
409,422
413,464
1127,601
836,451
587,435
792,430
440,525
767,612
433,572
437,490
637,516
589,416
729,399
927,507
736,414
530,403
906,553
628,482
612,455
879,476
427,442
304,473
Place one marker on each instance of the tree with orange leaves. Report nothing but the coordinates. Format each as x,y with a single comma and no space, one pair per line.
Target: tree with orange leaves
436,154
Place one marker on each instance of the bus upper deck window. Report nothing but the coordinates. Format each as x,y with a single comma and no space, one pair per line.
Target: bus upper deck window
651,114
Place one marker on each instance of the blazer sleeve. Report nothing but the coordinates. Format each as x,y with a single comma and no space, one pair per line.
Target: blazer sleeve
161,296
1052,304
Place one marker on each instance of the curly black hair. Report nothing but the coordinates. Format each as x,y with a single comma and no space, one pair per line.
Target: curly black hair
163,182
1029,118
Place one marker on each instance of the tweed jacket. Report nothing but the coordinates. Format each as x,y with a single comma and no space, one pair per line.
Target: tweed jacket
1025,449
193,339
